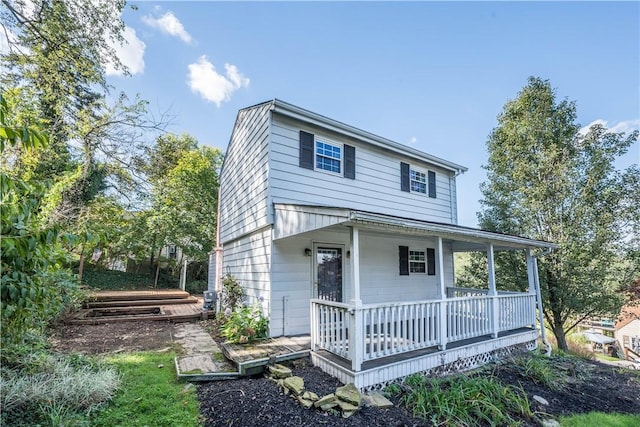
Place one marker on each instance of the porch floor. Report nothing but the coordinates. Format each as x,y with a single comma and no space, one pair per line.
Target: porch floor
254,357
376,363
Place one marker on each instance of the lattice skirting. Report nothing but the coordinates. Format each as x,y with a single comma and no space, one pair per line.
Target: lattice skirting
436,364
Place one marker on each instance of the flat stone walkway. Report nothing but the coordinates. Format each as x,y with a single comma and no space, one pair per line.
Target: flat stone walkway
202,353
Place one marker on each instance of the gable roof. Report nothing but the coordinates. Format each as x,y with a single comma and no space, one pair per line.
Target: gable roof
628,314
298,113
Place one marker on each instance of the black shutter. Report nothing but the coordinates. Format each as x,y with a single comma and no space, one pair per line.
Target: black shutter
404,177
431,261
404,260
306,150
349,162
432,184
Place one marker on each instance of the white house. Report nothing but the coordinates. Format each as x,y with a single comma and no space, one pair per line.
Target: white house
349,238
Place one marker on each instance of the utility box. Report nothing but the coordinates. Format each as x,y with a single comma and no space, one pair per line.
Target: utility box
210,298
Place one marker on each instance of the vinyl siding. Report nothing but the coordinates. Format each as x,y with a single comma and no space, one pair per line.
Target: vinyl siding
245,174
376,187
380,282
248,259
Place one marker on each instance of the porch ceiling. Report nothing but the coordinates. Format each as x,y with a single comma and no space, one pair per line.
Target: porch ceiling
296,219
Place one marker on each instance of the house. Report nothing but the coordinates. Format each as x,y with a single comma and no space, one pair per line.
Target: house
349,238
625,330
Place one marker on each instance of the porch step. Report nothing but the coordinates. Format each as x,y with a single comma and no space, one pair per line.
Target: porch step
158,294
143,302
253,358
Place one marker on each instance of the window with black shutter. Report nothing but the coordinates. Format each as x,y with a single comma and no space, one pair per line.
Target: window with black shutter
404,177
349,162
432,184
306,150
404,260
431,261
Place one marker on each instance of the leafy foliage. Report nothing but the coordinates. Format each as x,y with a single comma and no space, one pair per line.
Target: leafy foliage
34,287
232,294
465,400
245,324
549,181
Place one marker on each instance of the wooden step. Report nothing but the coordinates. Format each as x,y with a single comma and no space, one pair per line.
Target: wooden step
125,303
162,294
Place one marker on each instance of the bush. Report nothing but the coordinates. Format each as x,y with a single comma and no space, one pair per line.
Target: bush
113,280
245,324
53,388
196,287
232,294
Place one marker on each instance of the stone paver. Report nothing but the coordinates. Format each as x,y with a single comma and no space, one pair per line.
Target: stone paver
202,353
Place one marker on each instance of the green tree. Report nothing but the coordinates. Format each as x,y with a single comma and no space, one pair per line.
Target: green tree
547,180
34,287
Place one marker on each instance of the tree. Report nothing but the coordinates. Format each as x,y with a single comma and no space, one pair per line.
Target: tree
547,180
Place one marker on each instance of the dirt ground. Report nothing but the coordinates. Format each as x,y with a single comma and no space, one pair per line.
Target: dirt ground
256,401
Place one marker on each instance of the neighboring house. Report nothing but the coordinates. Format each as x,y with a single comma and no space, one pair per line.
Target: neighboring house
349,238
625,329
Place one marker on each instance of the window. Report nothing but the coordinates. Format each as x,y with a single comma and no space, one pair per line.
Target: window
316,154
417,262
415,181
328,156
418,181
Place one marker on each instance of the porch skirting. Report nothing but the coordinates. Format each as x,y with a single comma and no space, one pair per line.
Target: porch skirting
456,359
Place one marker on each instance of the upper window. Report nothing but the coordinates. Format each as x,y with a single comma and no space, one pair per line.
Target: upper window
328,156
418,181
417,262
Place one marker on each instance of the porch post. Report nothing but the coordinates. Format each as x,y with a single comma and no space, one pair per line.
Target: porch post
357,332
532,285
493,293
443,298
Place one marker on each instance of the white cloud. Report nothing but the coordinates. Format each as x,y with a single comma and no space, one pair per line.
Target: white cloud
625,126
204,80
413,140
131,54
168,24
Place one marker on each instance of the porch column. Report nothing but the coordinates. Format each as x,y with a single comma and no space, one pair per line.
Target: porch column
357,332
493,293
443,298
531,280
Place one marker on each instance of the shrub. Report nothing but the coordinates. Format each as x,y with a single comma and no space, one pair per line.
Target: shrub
468,401
195,287
538,369
245,324
50,387
232,294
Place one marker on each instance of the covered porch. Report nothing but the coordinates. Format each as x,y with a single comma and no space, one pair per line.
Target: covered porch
371,343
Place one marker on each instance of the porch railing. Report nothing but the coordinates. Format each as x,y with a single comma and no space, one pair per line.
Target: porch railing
373,331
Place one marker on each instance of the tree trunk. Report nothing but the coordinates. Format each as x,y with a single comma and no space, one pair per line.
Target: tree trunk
558,331
155,281
81,265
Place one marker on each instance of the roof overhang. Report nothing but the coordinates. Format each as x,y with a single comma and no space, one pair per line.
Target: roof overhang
297,219
307,116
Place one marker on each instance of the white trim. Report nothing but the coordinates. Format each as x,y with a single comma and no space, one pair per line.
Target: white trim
298,113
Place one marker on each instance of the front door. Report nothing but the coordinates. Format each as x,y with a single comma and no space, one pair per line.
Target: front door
328,285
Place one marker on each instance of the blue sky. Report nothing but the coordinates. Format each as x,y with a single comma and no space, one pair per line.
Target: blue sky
430,75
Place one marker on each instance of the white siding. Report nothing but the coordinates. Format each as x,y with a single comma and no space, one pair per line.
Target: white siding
245,174
380,280
631,329
248,259
375,189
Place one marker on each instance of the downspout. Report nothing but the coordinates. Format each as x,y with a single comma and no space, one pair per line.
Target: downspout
536,279
218,249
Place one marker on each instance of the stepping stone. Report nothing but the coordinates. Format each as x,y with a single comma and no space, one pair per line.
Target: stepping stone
377,400
349,393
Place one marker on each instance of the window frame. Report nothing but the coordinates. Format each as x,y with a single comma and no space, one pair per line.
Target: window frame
416,262
425,183
333,144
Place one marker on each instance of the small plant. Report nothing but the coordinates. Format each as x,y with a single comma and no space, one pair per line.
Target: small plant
539,370
392,390
245,324
232,294
467,401
415,380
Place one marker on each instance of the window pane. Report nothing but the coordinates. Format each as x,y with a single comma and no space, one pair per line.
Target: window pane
418,181
328,157
417,267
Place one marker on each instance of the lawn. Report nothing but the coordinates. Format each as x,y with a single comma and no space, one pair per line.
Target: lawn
150,395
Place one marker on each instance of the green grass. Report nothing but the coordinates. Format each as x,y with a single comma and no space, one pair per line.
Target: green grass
149,396
599,419
607,357
538,369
